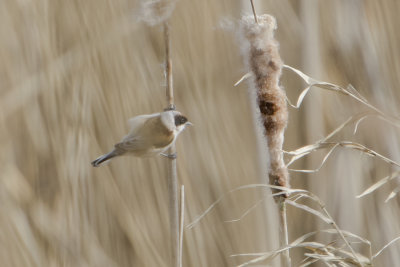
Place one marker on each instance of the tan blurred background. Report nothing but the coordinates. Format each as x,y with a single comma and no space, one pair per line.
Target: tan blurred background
73,72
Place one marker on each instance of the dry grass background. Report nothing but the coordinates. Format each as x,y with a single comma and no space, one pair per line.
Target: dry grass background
73,72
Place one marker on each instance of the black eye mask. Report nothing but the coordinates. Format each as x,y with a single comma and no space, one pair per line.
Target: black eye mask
179,120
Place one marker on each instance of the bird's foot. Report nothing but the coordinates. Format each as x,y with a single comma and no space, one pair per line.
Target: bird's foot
170,107
170,156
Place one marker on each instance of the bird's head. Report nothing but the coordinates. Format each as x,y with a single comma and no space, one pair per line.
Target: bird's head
181,121
175,121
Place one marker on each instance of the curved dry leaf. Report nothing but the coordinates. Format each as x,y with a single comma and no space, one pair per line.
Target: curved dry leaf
378,184
270,255
302,95
367,151
391,120
289,102
350,91
358,123
349,234
244,77
358,118
304,237
385,247
338,129
350,88
246,212
322,163
309,262
392,194
303,151
340,232
283,190
324,257
306,78
314,246
310,210
265,257
350,259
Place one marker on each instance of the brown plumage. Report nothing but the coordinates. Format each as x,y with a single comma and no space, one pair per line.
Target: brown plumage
150,135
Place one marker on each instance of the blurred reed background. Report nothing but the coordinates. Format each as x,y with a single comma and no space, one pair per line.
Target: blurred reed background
73,72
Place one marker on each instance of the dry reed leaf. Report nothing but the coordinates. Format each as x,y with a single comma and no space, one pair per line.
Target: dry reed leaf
331,258
392,121
355,118
332,87
305,150
266,257
308,263
358,118
247,211
311,82
349,234
385,247
328,249
320,166
283,190
327,259
324,253
378,184
350,259
310,210
354,91
339,231
244,77
294,244
392,194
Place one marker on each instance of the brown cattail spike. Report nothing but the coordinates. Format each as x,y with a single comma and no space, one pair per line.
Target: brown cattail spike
265,64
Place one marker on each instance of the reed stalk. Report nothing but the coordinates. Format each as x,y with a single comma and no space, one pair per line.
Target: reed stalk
172,176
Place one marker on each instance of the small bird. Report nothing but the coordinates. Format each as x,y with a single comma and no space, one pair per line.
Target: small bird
150,135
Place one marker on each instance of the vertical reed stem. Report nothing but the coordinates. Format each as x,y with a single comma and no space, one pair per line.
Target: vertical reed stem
284,236
254,11
172,173
168,69
181,224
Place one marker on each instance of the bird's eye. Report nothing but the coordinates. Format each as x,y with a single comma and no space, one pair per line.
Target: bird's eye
179,120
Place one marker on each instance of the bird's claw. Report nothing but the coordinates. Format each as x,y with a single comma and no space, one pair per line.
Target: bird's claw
170,107
170,156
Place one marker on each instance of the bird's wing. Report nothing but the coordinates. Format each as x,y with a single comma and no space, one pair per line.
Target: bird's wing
150,133
137,122
132,145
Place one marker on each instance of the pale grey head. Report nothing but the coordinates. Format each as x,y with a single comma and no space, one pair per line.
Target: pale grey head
174,121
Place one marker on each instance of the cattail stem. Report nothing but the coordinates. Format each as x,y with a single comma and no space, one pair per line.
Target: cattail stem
172,173
254,11
284,235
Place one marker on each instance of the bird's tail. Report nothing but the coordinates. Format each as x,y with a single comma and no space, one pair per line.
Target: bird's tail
97,162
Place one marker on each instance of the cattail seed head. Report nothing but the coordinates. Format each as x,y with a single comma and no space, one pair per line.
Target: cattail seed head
261,52
155,12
